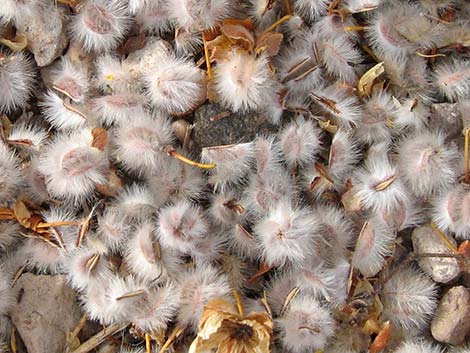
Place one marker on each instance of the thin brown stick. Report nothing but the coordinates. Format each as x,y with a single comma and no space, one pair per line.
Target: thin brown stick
97,339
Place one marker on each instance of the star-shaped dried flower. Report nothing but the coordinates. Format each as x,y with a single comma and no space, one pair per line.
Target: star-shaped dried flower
224,328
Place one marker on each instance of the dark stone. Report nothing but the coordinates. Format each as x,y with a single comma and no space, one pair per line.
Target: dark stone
216,126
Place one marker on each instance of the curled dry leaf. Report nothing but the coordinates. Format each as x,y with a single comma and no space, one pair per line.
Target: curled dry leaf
223,328
18,43
366,82
269,43
100,138
382,339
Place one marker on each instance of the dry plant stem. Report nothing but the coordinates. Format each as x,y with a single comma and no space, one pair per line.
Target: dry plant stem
207,57
177,331
354,28
288,7
239,302
277,23
97,339
444,239
430,55
173,153
148,343
289,297
75,333
13,340
466,156
17,275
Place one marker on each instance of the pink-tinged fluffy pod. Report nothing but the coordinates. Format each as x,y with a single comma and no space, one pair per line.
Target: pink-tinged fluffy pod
306,326
373,245
233,162
409,299
72,167
427,163
175,86
180,225
197,287
287,235
243,82
16,80
100,24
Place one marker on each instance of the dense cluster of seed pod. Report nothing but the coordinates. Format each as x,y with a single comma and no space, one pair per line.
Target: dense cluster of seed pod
313,220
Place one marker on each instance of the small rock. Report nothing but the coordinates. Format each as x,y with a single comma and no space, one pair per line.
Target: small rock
447,117
46,32
442,270
45,311
216,126
450,323
145,59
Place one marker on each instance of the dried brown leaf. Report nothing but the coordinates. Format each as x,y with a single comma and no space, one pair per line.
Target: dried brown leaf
100,138
382,339
18,43
269,43
366,82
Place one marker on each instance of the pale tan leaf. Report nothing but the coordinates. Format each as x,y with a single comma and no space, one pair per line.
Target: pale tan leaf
366,82
18,43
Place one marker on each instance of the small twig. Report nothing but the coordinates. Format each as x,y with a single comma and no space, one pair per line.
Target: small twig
466,156
444,239
75,333
97,339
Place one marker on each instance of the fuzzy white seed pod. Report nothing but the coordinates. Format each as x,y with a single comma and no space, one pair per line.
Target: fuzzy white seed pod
87,264
379,115
144,256
300,142
299,70
175,181
209,249
10,174
452,78
114,75
118,108
242,242
136,202
16,11
306,326
310,9
268,156
287,235
421,346
373,245
72,167
137,6
357,6
114,299
6,292
344,154
175,86
28,138
412,114
263,11
35,183
62,115
451,211
16,80
226,209
100,24
339,56
378,184
42,257
9,234
199,15
243,82
409,299
232,163
138,144
197,287
70,80
156,309
344,107
336,231
427,164
180,225
316,280
154,18
113,229
187,42
400,29
465,348
278,290
408,213
68,233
